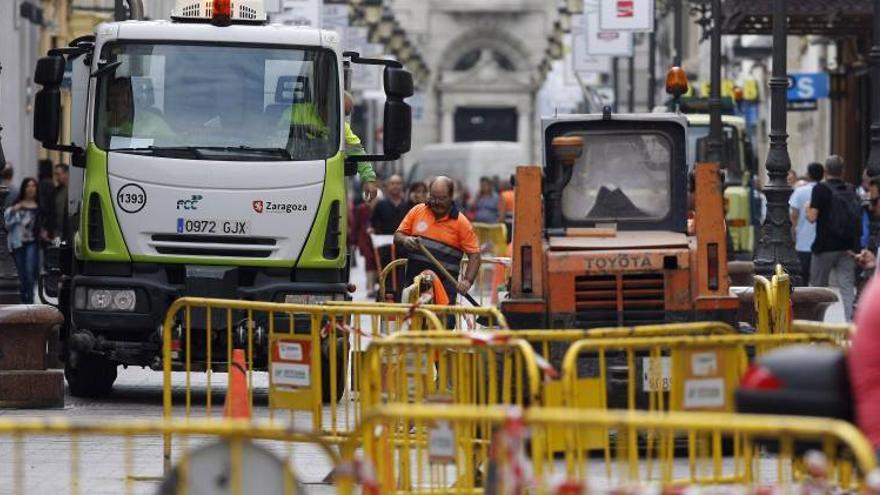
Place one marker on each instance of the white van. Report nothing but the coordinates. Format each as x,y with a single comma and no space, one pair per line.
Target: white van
468,161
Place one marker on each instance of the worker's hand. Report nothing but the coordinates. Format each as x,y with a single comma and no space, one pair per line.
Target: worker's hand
411,243
464,286
370,190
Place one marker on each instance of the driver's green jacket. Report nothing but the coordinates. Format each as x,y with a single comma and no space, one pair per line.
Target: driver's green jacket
353,146
306,114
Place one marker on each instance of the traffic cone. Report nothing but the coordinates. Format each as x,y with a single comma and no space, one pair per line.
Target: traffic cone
238,405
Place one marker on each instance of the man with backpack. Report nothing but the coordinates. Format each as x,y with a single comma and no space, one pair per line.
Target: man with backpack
835,208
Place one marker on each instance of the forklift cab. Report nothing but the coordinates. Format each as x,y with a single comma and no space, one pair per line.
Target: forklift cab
631,172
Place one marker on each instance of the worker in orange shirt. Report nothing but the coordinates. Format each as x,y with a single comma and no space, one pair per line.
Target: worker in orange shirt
505,207
445,232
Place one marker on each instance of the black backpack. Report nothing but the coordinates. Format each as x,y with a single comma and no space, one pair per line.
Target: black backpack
845,212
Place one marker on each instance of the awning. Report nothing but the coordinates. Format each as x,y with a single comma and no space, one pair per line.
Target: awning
821,17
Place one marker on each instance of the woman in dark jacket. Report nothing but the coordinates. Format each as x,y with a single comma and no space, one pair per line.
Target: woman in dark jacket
24,223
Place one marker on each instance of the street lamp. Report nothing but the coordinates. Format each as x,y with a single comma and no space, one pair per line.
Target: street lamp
873,165
776,245
716,139
709,12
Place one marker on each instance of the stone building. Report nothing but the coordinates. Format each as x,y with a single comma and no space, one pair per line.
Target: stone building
484,57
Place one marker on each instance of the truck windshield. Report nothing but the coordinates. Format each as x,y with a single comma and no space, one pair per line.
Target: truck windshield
228,102
620,177
697,132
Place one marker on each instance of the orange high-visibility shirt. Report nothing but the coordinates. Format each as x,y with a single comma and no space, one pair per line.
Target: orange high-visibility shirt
454,232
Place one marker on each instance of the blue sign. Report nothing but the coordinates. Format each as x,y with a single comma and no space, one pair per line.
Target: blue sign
808,86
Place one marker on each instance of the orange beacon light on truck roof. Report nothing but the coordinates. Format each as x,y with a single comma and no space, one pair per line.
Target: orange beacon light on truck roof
676,82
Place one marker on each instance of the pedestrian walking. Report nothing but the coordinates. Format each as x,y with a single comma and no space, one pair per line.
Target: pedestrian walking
804,230
7,177
360,228
446,233
791,177
866,259
505,207
59,226
417,194
836,210
24,222
385,219
485,205
389,212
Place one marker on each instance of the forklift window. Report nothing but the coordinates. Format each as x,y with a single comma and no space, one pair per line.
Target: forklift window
620,177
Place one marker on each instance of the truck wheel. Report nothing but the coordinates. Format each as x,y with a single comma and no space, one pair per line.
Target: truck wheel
89,376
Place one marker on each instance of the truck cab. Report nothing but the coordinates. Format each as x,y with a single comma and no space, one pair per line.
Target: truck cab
740,168
209,160
600,232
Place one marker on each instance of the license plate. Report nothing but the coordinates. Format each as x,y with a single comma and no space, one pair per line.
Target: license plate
207,226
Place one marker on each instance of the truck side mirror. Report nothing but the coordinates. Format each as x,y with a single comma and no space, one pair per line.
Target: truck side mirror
50,71
47,104
397,138
47,115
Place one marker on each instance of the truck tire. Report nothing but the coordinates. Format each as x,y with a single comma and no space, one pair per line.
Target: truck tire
90,376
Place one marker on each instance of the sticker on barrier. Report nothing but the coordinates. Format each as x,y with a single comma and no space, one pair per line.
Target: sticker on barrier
291,379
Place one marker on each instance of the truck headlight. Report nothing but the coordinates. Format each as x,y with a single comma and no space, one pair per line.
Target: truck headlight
124,300
105,299
100,299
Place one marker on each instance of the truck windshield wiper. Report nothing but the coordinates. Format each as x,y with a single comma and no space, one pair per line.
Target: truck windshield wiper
202,152
166,151
250,150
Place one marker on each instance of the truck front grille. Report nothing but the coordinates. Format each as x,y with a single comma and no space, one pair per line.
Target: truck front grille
622,299
213,245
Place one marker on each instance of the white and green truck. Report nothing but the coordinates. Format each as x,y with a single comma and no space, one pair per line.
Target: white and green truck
209,159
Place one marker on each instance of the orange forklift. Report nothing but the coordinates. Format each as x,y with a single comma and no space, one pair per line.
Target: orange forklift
601,233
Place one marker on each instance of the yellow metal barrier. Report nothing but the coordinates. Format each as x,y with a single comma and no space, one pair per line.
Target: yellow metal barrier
383,276
491,282
60,456
445,371
773,303
485,284
312,355
840,332
437,448
458,370
493,237
552,344
666,373
490,317
781,310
